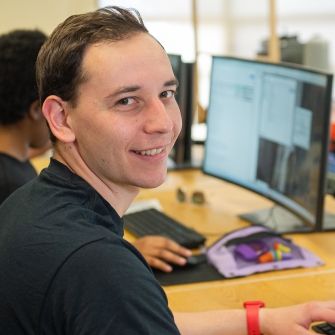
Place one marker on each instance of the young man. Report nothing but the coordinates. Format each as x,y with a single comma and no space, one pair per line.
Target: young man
108,95
22,125
23,130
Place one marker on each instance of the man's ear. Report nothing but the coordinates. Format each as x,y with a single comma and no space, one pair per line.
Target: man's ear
55,110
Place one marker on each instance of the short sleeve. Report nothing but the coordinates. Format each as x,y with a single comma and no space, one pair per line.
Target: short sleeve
106,288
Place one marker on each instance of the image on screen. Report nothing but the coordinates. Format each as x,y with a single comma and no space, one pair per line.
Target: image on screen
267,130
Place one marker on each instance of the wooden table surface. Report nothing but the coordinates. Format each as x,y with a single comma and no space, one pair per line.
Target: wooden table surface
217,216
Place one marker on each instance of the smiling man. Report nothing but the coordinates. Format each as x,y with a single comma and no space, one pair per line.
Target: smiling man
107,90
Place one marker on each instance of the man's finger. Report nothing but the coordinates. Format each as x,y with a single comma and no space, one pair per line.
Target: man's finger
159,264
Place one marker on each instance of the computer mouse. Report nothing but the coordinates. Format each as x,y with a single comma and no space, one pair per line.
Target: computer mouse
196,260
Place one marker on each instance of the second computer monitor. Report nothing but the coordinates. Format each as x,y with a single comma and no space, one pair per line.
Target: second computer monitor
267,130
184,72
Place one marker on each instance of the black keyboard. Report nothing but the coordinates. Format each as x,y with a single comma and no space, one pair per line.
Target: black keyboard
325,328
154,222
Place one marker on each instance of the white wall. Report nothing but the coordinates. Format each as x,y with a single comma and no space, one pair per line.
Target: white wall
41,14
232,27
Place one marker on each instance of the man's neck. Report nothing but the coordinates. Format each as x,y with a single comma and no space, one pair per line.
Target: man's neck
13,142
118,196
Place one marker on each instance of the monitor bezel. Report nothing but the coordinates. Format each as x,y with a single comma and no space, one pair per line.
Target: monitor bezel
318,224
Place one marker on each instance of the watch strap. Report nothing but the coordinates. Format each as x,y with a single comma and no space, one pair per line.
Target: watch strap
252,310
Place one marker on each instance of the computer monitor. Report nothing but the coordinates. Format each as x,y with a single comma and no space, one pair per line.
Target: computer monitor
182,151
267,131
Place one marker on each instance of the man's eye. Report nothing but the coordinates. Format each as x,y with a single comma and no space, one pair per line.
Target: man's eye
168,94
126,101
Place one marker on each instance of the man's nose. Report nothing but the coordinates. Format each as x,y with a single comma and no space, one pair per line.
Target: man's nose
158,117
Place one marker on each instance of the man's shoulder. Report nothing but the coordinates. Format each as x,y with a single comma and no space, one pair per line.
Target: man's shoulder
109,253
108,270
105,284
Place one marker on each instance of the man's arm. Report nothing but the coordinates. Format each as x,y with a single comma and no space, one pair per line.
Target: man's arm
293,320
230,322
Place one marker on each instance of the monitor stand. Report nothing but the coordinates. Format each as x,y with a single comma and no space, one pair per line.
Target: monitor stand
283,221
278,219
328,221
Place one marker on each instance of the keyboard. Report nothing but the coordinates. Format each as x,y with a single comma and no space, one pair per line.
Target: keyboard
153,222
325,328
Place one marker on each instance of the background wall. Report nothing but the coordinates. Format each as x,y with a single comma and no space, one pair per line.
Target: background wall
229,27
232,27
41,14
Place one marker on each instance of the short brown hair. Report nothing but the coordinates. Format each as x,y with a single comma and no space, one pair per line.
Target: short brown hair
58,67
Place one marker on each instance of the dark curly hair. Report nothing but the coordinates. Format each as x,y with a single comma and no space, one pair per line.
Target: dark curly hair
18,89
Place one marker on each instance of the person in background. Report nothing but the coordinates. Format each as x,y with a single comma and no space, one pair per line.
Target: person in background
107,89
24,133
22,125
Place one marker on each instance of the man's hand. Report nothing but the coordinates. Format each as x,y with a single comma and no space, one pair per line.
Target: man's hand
296,319
160,252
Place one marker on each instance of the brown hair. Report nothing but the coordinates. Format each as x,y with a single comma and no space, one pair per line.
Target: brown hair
58,67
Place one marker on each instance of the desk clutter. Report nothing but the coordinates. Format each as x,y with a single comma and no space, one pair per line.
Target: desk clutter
241,252
257,249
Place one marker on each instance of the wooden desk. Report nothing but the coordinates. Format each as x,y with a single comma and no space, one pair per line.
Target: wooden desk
42,161
218,216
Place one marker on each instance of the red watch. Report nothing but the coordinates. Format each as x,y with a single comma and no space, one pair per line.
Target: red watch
252,308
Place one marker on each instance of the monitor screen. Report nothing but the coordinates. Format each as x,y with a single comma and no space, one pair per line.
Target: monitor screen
267,131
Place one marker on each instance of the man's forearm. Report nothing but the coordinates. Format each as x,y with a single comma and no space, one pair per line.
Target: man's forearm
230,322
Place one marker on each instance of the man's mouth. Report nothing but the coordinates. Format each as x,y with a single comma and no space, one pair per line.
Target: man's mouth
151,152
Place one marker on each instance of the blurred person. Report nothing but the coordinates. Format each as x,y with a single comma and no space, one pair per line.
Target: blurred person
22,125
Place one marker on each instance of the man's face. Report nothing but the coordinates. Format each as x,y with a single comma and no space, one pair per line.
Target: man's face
126,119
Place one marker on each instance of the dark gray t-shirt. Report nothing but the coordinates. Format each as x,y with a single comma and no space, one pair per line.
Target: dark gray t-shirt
13,174
65,268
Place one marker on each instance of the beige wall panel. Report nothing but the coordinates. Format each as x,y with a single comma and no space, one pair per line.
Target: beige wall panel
41,14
